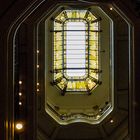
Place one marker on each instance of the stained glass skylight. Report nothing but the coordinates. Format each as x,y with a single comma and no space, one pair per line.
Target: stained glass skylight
76,51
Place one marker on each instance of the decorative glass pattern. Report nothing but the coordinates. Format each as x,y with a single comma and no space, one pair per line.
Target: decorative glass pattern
76,51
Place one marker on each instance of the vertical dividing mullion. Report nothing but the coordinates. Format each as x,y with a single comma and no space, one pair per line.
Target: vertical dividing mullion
97,62
54,51
63,57
88,46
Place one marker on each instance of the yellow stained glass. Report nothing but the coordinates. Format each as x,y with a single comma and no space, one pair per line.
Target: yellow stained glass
76,83
93,74
58,26
58,75
76,86
90,17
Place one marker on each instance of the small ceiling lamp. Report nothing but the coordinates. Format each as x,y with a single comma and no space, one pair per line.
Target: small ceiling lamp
20,103
111,121
37,66
19,126
20,82
111,8
20,94
37,51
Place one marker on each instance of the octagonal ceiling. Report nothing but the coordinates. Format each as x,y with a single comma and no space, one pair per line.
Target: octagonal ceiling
78,106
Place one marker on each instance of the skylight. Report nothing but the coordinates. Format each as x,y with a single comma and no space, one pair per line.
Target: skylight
75,49
76,44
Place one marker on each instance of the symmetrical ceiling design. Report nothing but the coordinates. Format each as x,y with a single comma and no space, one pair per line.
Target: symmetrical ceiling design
80,111
76,106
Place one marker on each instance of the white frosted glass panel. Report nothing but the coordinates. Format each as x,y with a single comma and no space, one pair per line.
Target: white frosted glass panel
75,49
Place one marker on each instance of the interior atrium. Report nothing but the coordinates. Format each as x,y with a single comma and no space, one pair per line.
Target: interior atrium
70,70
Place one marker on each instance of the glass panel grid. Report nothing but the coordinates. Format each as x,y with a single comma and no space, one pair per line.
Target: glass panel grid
76,51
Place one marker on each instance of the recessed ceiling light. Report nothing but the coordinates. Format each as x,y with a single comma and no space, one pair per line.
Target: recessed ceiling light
111,121
19,126
20,94
37,51
111,8
20,82
20,103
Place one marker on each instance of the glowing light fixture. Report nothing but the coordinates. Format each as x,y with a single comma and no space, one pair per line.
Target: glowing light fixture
20,103
19,126
111,121
37,51
20,82
37,66
111,8
20,94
